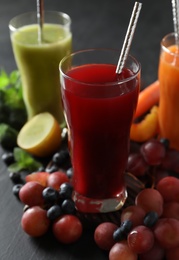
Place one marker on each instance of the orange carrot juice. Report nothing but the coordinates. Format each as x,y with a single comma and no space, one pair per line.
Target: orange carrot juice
169,90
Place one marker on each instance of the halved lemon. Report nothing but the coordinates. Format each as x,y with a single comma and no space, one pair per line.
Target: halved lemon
41,135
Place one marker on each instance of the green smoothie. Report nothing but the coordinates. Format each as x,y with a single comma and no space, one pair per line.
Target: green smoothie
38,64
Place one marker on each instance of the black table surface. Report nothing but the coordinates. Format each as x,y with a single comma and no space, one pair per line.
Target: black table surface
95,24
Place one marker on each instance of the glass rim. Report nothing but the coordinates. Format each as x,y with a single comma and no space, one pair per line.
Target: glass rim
164,48
62,14
118,82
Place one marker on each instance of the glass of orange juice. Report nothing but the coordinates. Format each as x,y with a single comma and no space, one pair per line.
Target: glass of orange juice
169,90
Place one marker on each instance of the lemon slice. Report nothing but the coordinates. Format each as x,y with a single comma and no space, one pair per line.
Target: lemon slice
41,135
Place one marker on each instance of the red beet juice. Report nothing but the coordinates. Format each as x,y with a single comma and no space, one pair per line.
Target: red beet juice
99,106
99,119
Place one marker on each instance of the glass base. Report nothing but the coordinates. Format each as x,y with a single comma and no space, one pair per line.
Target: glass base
89,205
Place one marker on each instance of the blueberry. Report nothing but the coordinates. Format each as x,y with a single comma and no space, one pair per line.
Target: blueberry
151,219
126,226
26,207
69,173
53,168
61,157
15,177
119,235
16,188
68,206
41,169
122,232
66,190
50,195
8,158
165,142
54,212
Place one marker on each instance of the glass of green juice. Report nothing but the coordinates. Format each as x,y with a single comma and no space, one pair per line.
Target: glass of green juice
38,62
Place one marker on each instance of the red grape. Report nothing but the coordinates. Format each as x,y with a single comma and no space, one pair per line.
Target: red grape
31,194
169,188
136,164
171,160
40,177
35,221
172,254
167,232
67,229
134,213
140,239
103,235
150,200
122,251
160,174
153,152
155,253
56,179
171,210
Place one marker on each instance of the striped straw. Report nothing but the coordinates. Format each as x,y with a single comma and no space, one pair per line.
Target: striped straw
175,10
129,36
40,18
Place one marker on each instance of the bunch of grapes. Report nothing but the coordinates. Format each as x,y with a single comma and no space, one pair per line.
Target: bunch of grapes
149,229
153,158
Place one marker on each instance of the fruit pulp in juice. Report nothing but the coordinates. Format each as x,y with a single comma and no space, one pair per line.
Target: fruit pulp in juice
169,95
39,66
99,119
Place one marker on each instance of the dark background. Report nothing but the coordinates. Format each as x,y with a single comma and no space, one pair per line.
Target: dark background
100,23
95,23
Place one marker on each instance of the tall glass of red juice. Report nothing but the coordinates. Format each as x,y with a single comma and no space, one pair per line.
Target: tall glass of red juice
99,106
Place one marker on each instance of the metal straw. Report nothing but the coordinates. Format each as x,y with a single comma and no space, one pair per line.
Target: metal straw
40,19
175,9
129,36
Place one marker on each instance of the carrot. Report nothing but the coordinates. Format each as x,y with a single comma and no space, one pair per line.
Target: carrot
148,97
